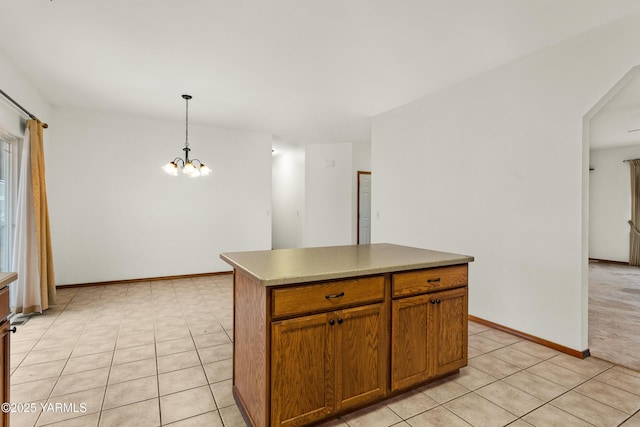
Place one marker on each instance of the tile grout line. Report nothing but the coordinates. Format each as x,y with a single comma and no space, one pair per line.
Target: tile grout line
525,369
593,377
65,364
60,375
603,403
106,386
548,402
155,352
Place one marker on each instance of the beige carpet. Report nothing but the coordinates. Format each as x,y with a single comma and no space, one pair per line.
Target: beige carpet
614,313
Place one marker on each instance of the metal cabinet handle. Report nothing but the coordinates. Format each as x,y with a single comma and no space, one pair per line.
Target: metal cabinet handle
433,301
332,322
438,301
341,294
13,329
433,280
340,321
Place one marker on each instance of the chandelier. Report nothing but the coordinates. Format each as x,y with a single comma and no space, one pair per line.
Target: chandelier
190,167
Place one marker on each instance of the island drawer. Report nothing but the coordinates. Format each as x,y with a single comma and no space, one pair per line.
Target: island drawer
432,279
297,300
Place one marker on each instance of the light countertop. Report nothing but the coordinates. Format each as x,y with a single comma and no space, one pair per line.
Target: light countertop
288,266
6,278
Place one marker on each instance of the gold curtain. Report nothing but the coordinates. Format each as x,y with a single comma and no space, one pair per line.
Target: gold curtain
634,246
41,211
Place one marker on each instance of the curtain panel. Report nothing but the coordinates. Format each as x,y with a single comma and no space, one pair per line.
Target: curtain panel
32,257
634,243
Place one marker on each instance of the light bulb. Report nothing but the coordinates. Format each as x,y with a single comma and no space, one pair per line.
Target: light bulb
204,170
188,169
195,173
171,168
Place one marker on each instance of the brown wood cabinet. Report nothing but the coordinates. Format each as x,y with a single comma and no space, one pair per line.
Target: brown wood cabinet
362,355
324,363
327,345
5,334
5,339
316,348
448,325
428,336
302,370
410,341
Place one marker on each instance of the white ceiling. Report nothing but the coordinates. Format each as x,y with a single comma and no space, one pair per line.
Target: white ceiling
303,70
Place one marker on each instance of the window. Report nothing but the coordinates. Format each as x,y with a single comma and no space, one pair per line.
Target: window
7,197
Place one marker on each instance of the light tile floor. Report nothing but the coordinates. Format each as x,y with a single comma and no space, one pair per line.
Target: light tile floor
159,353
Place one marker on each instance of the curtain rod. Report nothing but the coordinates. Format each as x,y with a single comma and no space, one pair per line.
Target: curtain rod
629,160
14,102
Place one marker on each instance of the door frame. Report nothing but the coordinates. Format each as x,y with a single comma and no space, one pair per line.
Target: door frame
358,210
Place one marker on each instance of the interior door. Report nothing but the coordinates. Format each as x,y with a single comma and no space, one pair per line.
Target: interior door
364,207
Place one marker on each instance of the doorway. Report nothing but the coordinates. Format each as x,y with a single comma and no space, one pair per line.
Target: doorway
364,207
613,287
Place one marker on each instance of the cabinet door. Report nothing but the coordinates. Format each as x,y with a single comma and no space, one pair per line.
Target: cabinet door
448,326
409,341
361,355
302,370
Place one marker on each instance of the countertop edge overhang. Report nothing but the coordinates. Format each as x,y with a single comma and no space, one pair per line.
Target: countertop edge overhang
7,278
288,266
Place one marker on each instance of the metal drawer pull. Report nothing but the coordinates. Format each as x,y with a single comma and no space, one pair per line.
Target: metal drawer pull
13,329
341,294
433,280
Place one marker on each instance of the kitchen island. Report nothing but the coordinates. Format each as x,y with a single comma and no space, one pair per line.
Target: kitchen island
319,332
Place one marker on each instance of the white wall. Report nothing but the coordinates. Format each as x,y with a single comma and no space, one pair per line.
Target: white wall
495,167
288,197
328,195
116,215
17,86
610,203
315,203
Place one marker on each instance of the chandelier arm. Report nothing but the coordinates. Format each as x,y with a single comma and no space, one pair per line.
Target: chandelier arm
202,168
178,159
